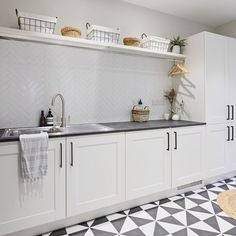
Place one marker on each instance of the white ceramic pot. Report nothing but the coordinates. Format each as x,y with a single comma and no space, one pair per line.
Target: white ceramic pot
167,116
176,49
175,117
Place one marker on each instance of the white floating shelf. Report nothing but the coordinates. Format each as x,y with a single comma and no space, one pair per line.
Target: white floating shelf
21,35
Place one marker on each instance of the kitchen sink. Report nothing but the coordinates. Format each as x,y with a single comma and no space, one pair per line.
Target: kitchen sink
15,132
81,128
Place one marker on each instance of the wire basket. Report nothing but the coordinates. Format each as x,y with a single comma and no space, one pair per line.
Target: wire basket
102,34
36,23
155,43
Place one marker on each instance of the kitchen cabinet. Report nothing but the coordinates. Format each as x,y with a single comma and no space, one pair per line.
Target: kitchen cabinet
215,77
95,172
148,162
231,81
161,159
24,204
215,150
187,155
231,147
205,91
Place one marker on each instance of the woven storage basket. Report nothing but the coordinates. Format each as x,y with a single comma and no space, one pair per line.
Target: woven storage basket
140,115
128,41
71,32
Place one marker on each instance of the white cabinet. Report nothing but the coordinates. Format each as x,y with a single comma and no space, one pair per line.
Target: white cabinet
215,150
231,81
215,72
205,89
187,155
24,205
95,172
231,147
148,163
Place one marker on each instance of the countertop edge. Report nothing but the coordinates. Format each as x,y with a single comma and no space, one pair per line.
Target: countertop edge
121,130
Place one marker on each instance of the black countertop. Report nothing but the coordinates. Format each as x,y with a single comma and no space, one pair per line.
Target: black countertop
114,127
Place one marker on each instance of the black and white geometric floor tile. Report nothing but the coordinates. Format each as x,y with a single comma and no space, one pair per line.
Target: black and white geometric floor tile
194,213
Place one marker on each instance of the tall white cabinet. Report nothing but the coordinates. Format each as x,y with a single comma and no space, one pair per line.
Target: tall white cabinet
211,97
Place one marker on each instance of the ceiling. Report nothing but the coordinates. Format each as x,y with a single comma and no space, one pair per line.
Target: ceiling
209,12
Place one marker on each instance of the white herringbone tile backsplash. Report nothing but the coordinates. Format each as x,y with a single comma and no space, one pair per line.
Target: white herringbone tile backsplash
97,86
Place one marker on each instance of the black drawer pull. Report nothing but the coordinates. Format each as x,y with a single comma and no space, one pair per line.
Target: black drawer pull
61,155
232,129
168,141
176,141
72,154
232,115
228,107
228,138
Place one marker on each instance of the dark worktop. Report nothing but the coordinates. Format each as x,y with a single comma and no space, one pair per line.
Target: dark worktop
114,127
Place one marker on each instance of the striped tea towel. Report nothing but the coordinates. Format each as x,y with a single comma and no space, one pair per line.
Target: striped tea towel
34,155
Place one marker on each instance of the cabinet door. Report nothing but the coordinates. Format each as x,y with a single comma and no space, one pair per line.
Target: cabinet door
187,155
215,78
216,137
95,172
24,205
147,162
231,80
231,147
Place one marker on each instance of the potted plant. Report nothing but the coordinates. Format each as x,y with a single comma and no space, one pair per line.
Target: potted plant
171,97
177,44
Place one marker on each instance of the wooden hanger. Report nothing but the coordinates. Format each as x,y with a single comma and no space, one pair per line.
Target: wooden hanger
177,69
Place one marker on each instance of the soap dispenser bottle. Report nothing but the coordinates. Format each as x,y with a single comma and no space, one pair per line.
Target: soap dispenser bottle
49,119
42,121
140,105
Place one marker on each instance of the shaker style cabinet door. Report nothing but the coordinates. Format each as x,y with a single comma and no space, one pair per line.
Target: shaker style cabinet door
231,81
95,172
215,81
215,163
187,155
24,205
231,147
148,155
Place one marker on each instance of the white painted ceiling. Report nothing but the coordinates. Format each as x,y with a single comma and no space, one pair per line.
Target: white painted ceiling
209,12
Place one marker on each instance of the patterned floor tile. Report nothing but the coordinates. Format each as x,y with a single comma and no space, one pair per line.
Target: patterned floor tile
194,213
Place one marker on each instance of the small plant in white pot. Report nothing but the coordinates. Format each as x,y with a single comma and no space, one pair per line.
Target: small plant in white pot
177,44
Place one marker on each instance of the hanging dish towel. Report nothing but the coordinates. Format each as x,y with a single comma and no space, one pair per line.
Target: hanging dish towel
34,156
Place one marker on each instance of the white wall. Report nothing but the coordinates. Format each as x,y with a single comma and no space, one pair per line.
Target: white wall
98,87
132,20
228,29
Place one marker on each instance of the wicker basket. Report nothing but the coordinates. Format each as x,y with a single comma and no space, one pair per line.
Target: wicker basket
155,43
134,42
71,32
140,115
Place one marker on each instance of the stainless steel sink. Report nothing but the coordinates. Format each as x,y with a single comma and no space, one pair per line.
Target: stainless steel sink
81,128
15,132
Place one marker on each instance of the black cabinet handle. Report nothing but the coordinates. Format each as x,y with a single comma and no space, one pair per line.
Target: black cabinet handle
232,115
228,138
232,129
176,142
60,155
168,141
228,107
72,154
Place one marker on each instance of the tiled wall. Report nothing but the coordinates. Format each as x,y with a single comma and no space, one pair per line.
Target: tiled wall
98,87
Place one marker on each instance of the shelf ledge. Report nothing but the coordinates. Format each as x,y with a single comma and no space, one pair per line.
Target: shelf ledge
21,35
